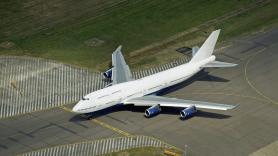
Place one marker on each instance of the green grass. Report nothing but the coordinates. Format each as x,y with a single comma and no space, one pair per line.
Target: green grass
254,20
57,29
147,151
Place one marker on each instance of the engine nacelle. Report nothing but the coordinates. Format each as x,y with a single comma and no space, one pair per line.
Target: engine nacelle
108,73
188,112
152,111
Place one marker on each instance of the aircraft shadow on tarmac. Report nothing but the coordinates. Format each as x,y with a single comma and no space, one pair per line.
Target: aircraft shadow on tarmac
201,76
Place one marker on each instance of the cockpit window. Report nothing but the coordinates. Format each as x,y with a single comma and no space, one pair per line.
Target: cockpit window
83,98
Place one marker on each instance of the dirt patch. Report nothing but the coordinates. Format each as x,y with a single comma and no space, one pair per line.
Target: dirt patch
7,45
93,42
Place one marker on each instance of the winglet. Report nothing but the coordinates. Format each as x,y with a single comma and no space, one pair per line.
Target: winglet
119,48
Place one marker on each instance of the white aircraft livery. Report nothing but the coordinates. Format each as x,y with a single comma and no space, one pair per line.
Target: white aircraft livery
125,90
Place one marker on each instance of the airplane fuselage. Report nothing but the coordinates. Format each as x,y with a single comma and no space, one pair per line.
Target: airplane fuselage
119,93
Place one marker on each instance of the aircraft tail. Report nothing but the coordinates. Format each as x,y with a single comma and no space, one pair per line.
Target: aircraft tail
207,48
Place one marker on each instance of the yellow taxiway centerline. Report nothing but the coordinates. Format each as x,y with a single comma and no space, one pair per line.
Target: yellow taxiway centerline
249,82
103,124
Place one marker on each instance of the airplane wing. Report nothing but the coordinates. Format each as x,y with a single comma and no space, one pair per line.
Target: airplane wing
173,102
120,71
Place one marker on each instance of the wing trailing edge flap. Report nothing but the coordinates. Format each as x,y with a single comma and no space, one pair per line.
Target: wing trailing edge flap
173,102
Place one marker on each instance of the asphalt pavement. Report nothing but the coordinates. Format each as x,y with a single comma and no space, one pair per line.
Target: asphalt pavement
252,85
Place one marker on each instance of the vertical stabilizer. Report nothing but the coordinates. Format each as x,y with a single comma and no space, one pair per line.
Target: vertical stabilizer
207,48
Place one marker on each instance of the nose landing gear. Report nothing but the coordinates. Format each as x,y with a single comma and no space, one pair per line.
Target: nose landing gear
87,116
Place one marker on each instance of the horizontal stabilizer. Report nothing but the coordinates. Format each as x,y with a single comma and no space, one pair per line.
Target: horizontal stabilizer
218,64
195,50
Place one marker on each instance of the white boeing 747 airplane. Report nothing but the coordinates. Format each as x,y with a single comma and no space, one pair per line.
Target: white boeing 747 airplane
125,90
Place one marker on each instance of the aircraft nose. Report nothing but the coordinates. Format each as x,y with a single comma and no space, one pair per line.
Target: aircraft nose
76,108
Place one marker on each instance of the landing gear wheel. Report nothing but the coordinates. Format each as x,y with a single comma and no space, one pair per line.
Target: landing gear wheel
89,117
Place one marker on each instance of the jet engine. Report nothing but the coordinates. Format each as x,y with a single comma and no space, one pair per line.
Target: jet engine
108,73
188,112
152,111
